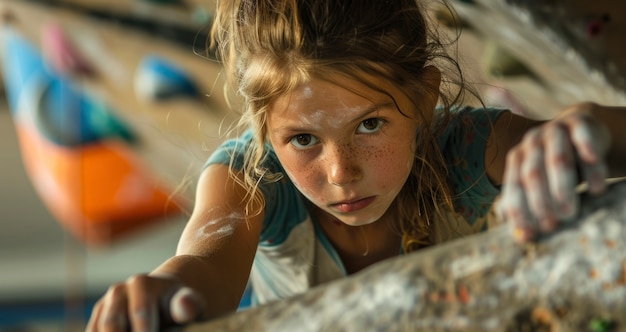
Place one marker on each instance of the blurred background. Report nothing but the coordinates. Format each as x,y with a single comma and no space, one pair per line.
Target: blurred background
128,72
110,107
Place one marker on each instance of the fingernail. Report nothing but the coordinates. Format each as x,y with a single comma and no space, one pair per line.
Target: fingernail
180,305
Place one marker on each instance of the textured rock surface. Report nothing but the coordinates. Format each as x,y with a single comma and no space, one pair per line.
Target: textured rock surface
590,28
572,280
574,48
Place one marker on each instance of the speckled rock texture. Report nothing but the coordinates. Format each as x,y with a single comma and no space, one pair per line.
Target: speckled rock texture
572,280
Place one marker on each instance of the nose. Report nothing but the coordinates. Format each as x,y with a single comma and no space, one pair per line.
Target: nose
343,166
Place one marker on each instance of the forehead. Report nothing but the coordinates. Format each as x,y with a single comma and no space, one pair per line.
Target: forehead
335,93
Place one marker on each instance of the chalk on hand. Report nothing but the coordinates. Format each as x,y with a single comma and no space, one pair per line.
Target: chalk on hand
184,305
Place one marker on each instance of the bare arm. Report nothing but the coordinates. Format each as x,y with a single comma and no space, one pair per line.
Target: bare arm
508,130
205,278
218,245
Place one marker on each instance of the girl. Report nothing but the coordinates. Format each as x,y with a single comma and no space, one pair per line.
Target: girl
356,150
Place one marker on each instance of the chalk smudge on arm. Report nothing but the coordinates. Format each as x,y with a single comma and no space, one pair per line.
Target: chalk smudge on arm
220,227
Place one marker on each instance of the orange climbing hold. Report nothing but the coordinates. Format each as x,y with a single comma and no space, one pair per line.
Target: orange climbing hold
98,191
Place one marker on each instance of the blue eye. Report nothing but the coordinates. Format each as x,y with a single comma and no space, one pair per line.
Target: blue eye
303,141
370,125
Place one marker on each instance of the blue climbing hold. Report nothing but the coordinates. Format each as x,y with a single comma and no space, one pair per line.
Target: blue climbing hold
59,110
158,78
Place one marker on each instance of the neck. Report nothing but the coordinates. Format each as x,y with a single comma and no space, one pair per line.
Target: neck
360,246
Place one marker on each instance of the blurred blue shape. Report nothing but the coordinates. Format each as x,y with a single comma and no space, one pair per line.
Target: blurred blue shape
158,78
61,112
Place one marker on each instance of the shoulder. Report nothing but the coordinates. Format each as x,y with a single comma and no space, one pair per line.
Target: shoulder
463,143
471,118
222,212
284,207
466,129
234,152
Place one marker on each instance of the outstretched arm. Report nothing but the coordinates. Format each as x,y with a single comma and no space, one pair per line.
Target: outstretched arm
205,278
540,164
220,241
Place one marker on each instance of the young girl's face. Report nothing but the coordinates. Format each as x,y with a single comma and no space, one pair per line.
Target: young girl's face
345,146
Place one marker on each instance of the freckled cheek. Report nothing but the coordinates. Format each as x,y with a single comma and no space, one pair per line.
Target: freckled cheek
390,167
307,179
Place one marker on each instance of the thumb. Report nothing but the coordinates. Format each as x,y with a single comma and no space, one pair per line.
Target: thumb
186,306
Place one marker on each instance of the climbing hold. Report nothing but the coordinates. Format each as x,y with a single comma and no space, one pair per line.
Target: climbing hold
60,52
601,325
60,112
158,78
100,191
448,17
502,63
596,25
67,117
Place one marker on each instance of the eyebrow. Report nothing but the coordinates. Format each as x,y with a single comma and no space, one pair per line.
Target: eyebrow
360,117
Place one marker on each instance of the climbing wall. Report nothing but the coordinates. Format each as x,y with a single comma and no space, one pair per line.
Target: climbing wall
571,50
573,280
592,29
141,72
115,111
116,84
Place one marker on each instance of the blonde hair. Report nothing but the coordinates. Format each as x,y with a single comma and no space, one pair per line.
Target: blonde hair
269,47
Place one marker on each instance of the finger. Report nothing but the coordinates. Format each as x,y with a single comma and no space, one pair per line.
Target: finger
591,143
513,206
93,319
142,305
595,175
112,315
590,140
186,306
561,172
516,211
535,182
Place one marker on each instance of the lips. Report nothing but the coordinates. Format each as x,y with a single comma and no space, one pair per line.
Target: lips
355,205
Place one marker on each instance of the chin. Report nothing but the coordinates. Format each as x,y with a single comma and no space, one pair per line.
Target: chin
360,220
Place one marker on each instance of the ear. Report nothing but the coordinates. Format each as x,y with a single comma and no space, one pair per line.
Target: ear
431,76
